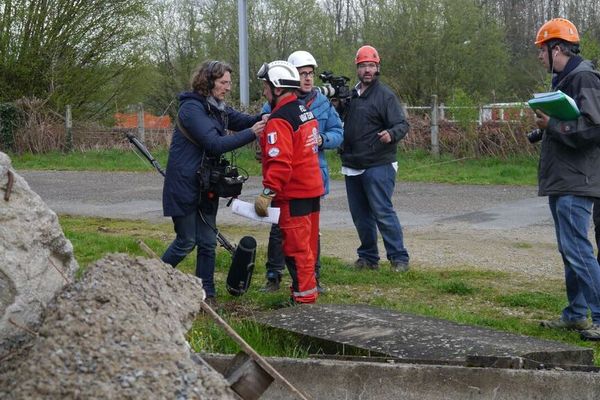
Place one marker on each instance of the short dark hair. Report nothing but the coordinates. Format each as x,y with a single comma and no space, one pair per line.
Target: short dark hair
568,49
204,76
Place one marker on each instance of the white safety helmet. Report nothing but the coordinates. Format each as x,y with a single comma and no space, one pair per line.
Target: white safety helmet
301,59
281,74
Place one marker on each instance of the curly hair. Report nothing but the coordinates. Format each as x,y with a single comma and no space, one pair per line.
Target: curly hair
206,74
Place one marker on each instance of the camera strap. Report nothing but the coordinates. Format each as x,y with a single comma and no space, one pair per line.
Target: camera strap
186,133
190,138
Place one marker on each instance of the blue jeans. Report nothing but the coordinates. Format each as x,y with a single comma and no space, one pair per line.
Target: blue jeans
572,215
370,202
192,231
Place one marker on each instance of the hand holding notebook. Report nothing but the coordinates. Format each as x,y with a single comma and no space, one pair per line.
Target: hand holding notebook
556,105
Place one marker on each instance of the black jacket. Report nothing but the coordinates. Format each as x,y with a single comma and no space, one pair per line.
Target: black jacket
375,110
570,155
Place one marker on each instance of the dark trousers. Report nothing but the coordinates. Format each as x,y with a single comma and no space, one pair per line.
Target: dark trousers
194,231
597,225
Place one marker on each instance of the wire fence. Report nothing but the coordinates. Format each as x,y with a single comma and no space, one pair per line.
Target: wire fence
496,129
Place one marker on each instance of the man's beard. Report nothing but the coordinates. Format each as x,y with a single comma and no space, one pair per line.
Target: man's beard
365,82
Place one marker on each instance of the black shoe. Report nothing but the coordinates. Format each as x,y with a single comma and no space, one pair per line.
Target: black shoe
593,333
560,323
362,263
271,286
321,289
399,266
212,302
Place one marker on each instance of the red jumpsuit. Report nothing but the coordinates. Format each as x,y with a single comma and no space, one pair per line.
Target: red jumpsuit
291,169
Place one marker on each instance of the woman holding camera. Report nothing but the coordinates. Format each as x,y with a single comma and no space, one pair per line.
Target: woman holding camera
200,137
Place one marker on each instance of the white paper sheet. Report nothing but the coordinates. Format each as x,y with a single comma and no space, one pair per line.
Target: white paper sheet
246,209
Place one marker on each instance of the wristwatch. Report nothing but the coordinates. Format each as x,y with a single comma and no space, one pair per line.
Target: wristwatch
268,192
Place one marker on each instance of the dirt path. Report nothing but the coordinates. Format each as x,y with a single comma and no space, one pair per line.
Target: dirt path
505,228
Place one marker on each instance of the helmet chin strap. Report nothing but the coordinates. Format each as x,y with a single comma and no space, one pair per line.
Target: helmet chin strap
550,63
550,58
274,97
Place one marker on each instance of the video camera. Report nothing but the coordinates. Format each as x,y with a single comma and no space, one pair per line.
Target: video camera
219,177
335,86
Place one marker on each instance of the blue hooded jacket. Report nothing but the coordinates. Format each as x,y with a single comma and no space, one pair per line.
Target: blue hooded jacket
330,127
207,125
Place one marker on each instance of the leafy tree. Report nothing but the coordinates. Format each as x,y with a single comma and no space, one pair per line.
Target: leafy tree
473,50
69,51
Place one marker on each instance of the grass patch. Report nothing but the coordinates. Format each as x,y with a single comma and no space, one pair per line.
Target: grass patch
542,301
415,166
92,160
456,287
205,335
419,166
507,302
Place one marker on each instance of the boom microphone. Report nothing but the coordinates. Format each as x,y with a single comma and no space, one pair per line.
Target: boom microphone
242,266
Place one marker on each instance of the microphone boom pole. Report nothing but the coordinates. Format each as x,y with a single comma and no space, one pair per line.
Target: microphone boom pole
226,244
144,151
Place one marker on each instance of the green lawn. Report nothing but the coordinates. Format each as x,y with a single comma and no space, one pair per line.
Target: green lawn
504,301
416,166
507,302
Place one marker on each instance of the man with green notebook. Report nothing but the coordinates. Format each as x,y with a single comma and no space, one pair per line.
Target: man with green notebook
555,104
569,172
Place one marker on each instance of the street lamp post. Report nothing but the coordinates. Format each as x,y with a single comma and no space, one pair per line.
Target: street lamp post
243,49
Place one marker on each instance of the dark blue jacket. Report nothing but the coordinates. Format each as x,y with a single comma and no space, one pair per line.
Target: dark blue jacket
207,125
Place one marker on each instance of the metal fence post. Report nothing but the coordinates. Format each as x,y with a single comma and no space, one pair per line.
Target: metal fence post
140,123
435,145
69,128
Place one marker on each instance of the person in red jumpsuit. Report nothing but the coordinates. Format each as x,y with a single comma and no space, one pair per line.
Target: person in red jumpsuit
291,175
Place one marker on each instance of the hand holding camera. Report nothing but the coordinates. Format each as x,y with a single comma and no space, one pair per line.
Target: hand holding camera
535,135
541,120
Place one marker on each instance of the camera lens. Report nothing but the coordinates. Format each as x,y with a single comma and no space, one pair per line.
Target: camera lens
535,135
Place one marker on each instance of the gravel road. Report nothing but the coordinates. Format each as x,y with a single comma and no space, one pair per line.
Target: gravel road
506,228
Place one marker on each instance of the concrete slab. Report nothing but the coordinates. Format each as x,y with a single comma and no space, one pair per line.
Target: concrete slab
420,339
346,380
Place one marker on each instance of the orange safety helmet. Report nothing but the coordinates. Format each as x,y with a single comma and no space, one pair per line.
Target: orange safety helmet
367,54
557,28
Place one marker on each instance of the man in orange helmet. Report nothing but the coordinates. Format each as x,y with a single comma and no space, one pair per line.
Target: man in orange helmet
569,172
374,124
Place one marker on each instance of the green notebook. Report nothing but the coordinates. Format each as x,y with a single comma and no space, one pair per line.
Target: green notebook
555,104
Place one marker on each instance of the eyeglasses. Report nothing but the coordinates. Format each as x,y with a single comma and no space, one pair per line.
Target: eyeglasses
366,65
305,74
263,72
